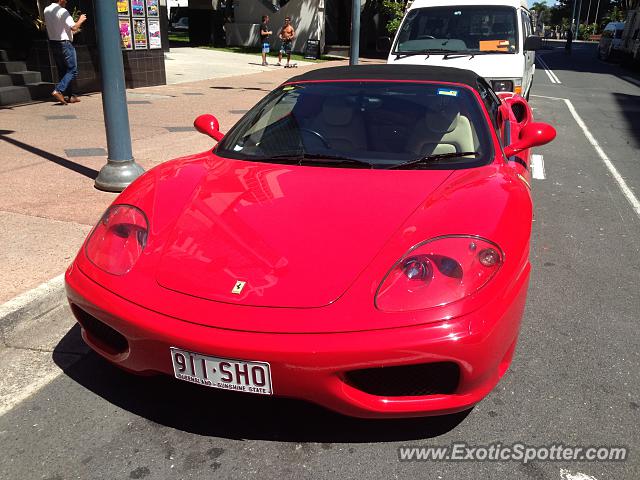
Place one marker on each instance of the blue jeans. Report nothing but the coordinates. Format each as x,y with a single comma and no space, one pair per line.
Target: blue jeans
67,63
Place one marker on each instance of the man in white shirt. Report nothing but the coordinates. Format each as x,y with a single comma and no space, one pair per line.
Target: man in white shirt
60,29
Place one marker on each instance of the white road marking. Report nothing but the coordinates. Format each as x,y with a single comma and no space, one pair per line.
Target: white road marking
568,475
549,75
552,76
626,191
631,80
550,98
537,167
9,398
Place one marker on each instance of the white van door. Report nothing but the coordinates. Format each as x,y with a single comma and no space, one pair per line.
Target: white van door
529,56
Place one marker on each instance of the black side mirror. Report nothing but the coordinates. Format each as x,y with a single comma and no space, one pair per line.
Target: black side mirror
533,42
383,44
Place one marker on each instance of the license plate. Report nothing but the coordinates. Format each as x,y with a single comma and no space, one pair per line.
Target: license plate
223,373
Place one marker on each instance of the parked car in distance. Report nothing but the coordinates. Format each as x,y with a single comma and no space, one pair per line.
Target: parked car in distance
611,40
494,38
182,24
359,239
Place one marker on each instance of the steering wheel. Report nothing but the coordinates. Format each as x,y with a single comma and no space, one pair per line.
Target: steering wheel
317,135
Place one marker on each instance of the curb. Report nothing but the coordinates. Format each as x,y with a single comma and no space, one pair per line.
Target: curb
33,303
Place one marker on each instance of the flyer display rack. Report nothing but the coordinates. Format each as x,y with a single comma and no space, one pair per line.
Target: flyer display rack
139,22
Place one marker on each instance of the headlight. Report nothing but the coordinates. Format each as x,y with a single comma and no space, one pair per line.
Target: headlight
507,85
502,85
438,272
118,240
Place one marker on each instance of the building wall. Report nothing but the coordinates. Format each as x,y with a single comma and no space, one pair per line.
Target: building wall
631,35
142,68
307,18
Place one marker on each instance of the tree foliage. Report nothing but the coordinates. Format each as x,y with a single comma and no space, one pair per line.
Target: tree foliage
543,11
392,11
607,11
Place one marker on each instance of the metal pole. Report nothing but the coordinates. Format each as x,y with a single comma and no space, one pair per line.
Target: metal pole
579,12
121,169
573,14
588,12
354,51
597,10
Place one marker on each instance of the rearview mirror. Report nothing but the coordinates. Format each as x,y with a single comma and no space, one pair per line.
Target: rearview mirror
208,124
533,42
533,134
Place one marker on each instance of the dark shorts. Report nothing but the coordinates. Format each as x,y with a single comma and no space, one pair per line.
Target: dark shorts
285,48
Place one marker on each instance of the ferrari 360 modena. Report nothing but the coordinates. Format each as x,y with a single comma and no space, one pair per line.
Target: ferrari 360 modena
359,239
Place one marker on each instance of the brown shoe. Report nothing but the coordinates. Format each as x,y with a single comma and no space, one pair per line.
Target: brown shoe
73,99
58,96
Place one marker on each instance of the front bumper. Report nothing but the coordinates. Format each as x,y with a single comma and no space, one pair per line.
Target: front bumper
312,367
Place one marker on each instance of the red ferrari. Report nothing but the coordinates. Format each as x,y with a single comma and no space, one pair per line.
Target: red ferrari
359,239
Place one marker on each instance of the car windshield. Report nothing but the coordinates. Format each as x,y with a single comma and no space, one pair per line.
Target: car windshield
462,29
356,124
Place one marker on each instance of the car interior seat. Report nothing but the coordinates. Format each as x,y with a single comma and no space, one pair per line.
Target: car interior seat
341,125
443,129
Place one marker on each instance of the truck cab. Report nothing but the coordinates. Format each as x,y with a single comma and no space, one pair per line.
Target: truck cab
494,38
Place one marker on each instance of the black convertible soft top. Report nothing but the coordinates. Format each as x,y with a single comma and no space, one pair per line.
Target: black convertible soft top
391,72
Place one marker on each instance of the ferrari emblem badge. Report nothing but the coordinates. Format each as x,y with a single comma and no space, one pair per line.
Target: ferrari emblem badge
237,289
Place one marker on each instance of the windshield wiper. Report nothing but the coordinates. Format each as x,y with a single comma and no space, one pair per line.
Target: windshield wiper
318,158
432,158
471,53
334,159
459,54
400,55
286,159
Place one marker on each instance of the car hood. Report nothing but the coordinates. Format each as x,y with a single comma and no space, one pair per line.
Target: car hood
297,236
498,65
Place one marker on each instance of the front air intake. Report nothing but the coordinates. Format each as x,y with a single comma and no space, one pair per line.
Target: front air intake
439,378
105,337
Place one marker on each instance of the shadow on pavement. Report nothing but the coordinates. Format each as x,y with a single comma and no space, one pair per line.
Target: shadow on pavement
63,162
210,412
584,59
629,106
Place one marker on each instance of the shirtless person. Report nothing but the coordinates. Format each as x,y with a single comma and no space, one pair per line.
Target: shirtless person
287,34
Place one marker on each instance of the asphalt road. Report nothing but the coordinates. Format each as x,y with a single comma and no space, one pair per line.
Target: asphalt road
574,380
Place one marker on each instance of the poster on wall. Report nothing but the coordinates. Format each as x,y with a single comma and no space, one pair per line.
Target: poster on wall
137,8
125,33
123,7
140,33
154,33
152,8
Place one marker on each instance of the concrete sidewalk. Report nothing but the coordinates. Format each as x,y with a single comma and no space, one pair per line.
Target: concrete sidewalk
50,155
185,64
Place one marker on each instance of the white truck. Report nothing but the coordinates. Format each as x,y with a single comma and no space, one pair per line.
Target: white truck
494,38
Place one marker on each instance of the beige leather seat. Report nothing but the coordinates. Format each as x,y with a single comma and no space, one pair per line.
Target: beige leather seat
341,125
443,130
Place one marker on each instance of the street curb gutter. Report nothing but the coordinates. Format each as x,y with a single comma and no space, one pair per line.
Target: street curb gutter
33,303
